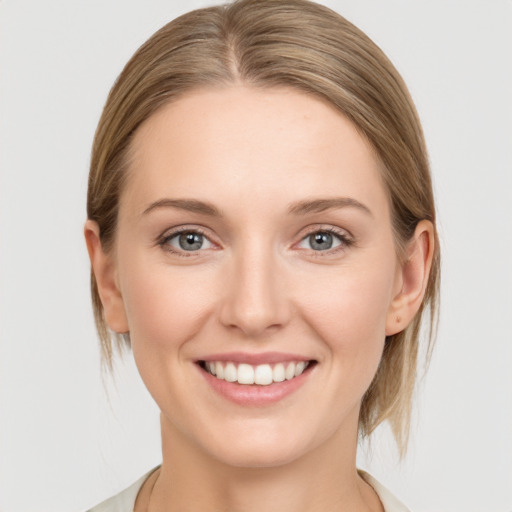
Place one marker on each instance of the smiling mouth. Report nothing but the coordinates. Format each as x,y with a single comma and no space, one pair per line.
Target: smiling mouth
260,375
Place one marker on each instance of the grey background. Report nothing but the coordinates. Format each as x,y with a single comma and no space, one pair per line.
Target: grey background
64,443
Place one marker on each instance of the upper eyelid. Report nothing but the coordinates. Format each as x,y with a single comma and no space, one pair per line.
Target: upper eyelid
170,233
329,228
346,240
343,233
185,228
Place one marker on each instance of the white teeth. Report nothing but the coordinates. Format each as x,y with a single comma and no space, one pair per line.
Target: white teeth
261,375
290,371
300,368
230,373
278,373
245,374
219,370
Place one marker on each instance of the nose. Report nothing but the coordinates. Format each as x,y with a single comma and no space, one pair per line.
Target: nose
255,295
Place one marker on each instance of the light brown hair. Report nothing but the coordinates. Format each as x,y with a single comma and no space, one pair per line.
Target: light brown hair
299,44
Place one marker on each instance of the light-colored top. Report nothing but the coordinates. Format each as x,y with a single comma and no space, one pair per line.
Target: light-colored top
125,500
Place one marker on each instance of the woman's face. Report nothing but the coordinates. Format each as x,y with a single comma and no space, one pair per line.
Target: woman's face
254,239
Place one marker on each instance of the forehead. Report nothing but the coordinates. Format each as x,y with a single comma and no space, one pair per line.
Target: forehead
244,142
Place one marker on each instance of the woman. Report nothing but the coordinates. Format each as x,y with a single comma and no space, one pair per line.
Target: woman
261,229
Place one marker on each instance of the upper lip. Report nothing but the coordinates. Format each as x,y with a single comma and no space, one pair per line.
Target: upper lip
255,359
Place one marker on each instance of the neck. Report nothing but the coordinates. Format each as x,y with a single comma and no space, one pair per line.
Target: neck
325,479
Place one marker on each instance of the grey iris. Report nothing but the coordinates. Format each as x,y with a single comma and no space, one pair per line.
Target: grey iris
321,241
191,241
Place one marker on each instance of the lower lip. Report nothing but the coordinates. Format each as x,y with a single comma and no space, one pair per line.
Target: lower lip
253,394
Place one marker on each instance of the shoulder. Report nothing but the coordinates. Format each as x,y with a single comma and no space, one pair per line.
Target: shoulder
125,500
388,500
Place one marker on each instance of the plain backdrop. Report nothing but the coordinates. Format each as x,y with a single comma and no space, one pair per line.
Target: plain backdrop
66,443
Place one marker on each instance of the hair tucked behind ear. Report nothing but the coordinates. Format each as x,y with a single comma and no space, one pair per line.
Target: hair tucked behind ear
306,46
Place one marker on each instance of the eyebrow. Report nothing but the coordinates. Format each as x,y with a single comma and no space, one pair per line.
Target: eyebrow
321,205
190,205
300,208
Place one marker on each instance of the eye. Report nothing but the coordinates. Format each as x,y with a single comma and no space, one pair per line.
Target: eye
189,241
323,240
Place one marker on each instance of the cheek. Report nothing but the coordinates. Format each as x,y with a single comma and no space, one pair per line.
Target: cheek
165,308
349,312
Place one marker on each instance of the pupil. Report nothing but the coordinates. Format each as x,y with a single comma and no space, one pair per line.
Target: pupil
191,241
321,241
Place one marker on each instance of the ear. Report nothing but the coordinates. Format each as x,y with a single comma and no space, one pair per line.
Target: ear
412,279
105,271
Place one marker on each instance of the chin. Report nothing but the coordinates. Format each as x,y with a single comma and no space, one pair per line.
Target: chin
261,445
257,456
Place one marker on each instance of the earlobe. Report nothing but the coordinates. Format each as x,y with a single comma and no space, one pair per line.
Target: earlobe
104,269
414,273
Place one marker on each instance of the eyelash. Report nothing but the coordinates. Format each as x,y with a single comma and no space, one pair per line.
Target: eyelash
345,240
163,241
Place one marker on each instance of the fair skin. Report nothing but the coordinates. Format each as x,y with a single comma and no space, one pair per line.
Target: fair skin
285,254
